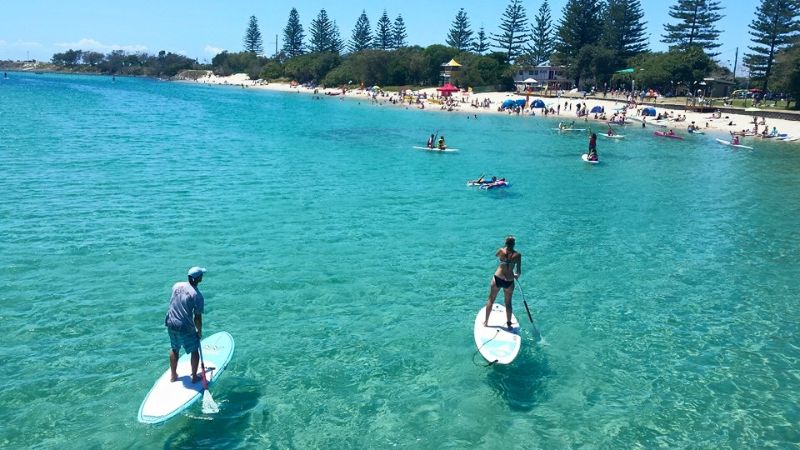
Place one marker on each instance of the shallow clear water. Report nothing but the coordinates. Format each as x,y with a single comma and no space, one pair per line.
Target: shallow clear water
349,269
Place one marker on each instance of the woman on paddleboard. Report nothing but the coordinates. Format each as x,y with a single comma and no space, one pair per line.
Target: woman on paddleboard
508,270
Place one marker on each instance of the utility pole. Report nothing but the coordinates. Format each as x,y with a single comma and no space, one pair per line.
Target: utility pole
735,61
276,46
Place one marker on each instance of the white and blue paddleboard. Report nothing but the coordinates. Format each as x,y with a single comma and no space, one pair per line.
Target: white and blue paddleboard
496,342
585,158
437,149
167,399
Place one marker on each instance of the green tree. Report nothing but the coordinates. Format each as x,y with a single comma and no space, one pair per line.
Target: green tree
787,71
92,58
399,34
311,67
624,30
68,58
293,35
513,28
543,43
362,34
252,38
580,26
481,44
337,44
774,27
460,35
383,40
662,70
696,25
322,34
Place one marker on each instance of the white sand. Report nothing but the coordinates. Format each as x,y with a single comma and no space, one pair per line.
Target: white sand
704,121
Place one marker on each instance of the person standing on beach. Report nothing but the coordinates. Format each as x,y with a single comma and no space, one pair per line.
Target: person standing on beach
184,321
508,270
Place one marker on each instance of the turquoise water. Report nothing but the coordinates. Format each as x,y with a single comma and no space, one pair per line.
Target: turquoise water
349,269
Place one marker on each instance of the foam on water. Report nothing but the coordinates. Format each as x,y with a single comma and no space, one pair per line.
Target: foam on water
349,268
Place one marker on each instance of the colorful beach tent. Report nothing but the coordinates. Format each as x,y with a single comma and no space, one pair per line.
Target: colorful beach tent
447,89
519,102
597,109
507,104
649,112
538,103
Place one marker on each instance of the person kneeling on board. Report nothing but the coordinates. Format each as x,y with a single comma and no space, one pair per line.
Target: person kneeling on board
184,321
442,145
508,270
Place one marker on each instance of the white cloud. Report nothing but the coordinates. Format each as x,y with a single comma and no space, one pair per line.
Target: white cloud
91,44
210,49
19,44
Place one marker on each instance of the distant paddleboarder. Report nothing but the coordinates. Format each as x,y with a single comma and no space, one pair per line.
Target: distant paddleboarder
184,321
431,141
441,144
508,270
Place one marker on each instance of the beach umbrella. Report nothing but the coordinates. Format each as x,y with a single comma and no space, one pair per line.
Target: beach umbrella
538,103
530,80
649,112
519,102
597,109
507,104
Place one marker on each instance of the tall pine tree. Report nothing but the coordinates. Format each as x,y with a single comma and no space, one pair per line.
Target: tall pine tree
293,35
321,33
399,34
513,27
696,25
362,34
624,30
542,40
383,33
481,45
252,38
460,35
580,27
337,44
773,29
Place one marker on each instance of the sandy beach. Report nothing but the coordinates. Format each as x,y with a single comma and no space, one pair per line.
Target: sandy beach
489,103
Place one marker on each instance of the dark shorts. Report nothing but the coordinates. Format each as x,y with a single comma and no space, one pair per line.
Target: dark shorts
186,339
501,283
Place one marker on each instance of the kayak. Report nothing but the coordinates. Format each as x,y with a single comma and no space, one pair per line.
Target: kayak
696,132
614,136
663,134
585,157
724,142
496,185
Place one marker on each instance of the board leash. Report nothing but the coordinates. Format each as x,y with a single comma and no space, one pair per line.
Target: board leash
497,333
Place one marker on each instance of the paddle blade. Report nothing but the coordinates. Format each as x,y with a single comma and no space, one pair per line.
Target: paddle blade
209,405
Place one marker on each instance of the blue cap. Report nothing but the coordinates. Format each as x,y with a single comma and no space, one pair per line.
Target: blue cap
196,272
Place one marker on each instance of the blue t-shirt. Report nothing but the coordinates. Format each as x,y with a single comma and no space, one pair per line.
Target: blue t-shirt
186,301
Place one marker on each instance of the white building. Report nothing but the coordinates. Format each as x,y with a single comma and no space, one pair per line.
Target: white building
547,77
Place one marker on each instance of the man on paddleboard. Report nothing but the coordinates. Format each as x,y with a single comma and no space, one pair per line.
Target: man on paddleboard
184,321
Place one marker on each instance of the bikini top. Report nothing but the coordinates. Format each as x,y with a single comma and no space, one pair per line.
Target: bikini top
507,262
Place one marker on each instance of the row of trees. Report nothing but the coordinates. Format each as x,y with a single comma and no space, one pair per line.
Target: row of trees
164,64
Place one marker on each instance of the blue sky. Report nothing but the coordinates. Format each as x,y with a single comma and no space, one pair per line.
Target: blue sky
201,28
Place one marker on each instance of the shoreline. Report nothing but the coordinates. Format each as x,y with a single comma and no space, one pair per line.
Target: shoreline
711,125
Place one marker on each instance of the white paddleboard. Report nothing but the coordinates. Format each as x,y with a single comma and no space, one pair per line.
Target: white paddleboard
446,150
613,136
167,399
496,342
585,157
570,129
724,142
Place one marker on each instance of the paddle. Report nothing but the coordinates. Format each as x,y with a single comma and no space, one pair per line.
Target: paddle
527,309
209,405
